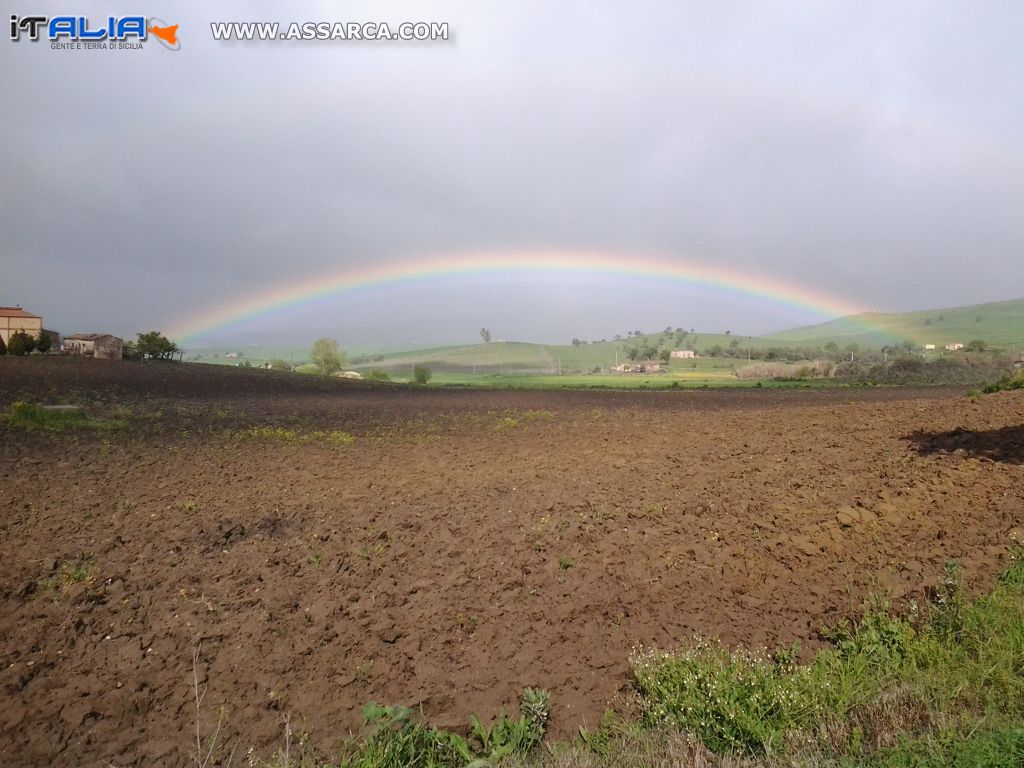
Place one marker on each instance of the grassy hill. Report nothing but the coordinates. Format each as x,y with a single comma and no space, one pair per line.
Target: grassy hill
999,324
502,356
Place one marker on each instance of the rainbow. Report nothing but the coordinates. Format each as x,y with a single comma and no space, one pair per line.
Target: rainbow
514,264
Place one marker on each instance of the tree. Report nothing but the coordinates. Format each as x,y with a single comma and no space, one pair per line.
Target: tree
155,346
485,334
327,354
976,345
421,374
277,364
666,355
20,343
43,341
130,351
3,347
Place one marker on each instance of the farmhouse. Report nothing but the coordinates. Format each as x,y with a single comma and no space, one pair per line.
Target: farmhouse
14,319
682,354
101,346
929,347
647,366
954,346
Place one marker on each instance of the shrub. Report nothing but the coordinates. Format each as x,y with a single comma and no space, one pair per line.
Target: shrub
398,739
1006,383
376,374
732,701
20,343
883,680
772,370
421,374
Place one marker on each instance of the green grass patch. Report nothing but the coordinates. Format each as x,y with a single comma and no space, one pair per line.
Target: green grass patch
398,738
991,748
335,437
31,416
1006,383
889,678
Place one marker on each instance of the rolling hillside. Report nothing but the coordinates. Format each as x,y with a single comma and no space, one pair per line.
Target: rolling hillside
999,324
500,356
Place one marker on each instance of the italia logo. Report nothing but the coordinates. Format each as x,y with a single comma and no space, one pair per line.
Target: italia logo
79,29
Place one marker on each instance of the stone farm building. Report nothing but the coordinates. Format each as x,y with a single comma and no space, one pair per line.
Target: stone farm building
101,346
647,366
14,319
682,354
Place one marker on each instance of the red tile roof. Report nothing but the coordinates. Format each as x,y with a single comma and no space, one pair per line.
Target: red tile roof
16,312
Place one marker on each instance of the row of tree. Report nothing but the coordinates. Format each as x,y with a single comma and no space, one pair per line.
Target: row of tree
22,343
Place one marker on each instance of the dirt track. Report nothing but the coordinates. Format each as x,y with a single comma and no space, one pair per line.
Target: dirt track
466,545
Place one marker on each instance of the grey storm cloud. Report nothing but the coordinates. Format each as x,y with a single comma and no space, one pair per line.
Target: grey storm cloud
868,150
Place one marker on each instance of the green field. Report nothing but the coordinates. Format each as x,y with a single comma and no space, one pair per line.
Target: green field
523,364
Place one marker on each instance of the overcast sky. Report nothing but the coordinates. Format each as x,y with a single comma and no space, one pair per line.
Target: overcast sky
873,151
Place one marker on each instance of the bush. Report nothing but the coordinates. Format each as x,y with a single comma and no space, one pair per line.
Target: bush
883,680
376,374
421,374
20,343
815,369
398,739
732,701
1006,383
962,371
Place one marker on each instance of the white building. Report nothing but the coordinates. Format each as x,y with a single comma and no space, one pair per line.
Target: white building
14,319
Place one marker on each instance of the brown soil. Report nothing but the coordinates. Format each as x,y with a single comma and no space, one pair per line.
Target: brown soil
467,544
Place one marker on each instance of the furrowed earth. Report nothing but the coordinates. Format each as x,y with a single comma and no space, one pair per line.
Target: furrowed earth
462,545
